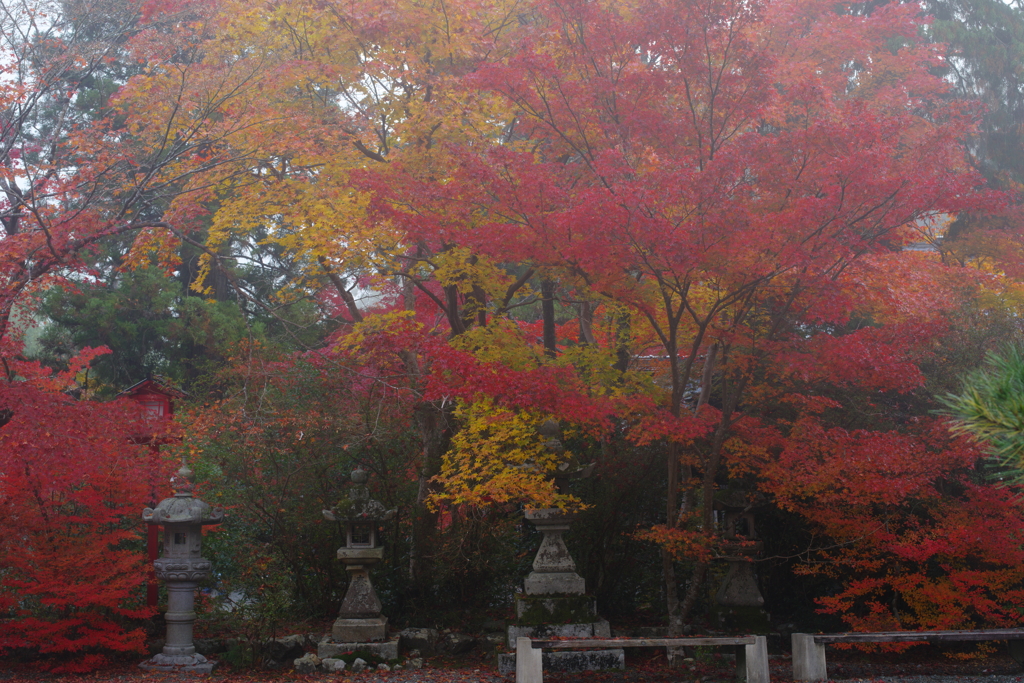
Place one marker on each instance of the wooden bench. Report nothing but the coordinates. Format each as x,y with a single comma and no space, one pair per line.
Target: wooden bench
751,653
809,649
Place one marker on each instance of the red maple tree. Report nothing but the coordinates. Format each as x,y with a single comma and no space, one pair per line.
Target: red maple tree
72,486
706,174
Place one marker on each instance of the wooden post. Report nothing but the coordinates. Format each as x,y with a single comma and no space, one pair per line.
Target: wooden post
529,662
152,545
756,661
808,658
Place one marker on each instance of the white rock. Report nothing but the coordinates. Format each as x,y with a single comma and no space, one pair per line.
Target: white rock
332,665
307,664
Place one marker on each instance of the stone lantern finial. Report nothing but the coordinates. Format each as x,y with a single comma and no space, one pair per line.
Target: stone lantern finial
182,481
568,467
552,433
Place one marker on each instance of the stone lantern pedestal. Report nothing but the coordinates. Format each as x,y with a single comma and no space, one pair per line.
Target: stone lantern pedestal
554,604
554,571
360,624
181,566
739,605
359,619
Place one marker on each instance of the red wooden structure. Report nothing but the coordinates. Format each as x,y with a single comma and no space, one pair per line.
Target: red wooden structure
156,398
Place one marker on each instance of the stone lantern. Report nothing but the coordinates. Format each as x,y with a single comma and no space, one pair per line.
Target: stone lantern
181,566
554,571
554,602
360,624
739,605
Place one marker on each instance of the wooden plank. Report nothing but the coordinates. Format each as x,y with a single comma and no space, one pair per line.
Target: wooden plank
641,642
920,636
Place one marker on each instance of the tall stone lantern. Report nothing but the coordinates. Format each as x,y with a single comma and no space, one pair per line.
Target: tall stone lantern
181,566
360,622
554,602
739,605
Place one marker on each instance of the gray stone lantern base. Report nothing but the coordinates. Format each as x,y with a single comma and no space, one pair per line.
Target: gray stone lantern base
554,604
739,606
179,654
360,625
195,663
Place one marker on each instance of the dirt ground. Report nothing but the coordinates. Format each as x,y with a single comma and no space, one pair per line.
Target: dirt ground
922,664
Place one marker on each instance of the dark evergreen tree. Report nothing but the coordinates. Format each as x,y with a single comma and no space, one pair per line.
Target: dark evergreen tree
985,44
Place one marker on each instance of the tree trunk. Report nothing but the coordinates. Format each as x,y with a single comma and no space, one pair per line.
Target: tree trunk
435,434
668,570
547,291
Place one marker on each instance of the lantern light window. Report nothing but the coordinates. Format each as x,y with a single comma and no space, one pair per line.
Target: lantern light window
362,535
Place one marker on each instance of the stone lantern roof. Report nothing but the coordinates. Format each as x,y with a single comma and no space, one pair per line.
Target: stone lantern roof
183,507
359,507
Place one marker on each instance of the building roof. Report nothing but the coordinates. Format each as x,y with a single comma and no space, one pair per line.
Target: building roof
153,385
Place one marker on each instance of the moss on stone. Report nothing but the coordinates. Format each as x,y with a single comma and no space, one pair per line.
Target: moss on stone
536,610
